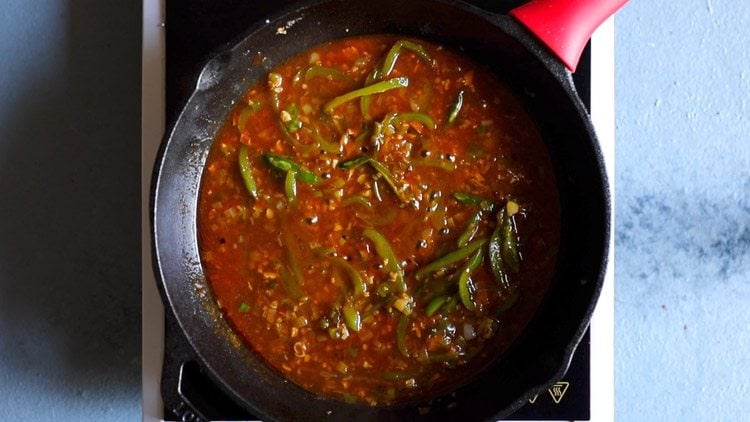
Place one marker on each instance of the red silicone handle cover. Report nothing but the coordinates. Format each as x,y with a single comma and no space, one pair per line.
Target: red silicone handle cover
565,26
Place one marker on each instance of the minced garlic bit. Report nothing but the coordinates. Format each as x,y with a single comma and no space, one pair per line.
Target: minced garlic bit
511,208
274,81
300,349
404,304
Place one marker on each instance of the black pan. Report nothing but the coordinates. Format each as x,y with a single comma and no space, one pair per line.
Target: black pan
540,356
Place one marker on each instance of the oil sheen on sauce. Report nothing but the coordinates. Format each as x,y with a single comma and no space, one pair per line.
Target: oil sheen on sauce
378,219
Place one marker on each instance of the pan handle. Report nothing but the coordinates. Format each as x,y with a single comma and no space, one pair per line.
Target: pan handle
565,26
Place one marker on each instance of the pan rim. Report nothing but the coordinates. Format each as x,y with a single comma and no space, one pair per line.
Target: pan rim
201,88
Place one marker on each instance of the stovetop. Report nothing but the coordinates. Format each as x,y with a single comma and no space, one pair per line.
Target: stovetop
186,391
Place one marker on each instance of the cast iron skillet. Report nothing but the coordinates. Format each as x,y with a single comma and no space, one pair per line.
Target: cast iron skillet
542,353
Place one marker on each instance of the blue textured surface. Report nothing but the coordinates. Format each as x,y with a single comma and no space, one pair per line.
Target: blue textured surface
69,210
69,179
683,211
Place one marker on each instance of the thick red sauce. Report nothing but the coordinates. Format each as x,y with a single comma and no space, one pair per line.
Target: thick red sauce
325,266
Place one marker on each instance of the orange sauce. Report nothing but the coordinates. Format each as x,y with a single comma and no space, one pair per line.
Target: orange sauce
294,269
